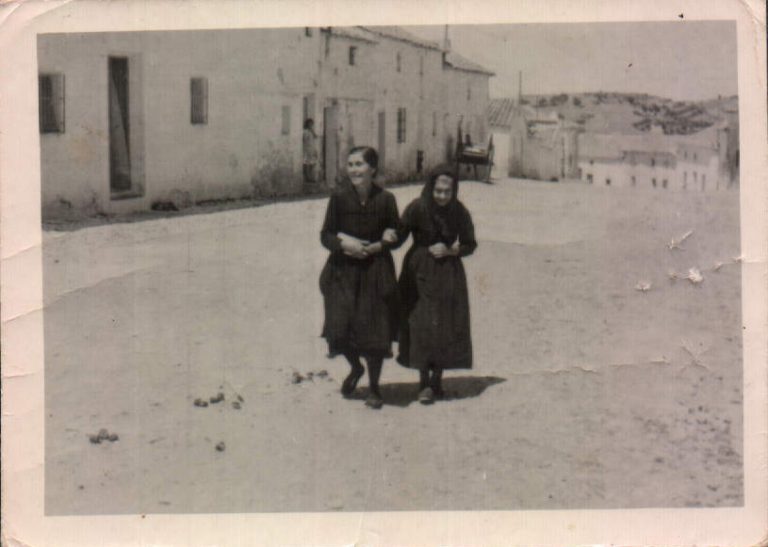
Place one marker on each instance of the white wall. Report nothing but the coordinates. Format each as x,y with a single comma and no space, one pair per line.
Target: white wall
621,175
501,161
410,89
241,145
252,75
701,176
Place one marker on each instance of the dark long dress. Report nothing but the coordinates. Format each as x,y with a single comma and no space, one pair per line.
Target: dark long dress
360,295
435,326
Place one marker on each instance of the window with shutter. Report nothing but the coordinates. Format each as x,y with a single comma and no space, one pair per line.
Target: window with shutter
198,88
401,125
51,103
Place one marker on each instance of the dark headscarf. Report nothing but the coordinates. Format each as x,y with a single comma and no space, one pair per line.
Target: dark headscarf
445,219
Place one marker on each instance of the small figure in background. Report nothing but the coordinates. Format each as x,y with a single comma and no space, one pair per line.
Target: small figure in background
309,152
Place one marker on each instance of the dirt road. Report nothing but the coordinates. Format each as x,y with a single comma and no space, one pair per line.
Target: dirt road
587,392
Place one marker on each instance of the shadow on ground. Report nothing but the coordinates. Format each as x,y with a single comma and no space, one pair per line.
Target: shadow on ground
403,394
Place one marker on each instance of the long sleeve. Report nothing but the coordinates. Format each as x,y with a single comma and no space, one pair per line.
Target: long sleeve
467,242
393,222
328,236
406,224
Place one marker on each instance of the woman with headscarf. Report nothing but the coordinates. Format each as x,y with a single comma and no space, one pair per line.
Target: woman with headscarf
435,330
358,281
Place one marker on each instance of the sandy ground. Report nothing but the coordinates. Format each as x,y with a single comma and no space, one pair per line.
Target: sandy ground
586,393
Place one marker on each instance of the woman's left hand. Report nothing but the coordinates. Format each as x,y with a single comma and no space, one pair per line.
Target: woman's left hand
389,236
439,250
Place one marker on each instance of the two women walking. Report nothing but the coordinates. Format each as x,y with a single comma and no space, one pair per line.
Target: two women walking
366,308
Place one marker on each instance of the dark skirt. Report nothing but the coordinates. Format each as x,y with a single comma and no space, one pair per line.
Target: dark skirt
435,324
361,304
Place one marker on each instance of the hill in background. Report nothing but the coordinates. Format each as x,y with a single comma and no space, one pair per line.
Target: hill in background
628,113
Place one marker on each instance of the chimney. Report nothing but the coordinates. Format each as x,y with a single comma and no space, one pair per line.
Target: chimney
519,99
446,40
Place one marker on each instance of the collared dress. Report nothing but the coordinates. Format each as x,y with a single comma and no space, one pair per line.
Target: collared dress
435,327
360,295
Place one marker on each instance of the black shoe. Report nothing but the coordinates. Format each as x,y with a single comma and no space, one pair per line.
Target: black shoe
423,381
436,383
426,396
374,401
350,382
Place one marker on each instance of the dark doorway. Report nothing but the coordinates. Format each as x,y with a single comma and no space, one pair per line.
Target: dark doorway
119,126
331,144
382,140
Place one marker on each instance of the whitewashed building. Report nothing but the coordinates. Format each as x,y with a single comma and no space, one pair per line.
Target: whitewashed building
655,160
135,118
532,144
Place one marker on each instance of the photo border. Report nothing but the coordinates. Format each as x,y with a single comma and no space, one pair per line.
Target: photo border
22,305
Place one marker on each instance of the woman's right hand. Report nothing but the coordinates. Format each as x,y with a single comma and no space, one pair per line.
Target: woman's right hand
439,250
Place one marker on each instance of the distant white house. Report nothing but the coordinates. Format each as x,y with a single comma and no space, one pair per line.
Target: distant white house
654,160
128,119
538,143
531,143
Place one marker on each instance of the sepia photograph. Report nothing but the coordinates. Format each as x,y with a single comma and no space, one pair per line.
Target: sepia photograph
393,268
255,237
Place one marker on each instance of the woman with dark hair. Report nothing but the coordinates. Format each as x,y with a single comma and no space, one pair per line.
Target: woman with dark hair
358,281
435,333
309,150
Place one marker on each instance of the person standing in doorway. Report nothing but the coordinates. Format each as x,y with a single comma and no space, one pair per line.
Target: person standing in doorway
358,281
309,150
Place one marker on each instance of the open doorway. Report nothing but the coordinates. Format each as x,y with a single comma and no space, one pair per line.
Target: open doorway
331,144
382,140
119,126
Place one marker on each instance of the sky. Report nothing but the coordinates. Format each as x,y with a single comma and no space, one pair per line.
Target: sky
685,60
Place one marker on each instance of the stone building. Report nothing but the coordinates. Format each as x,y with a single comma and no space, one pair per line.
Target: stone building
131,119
